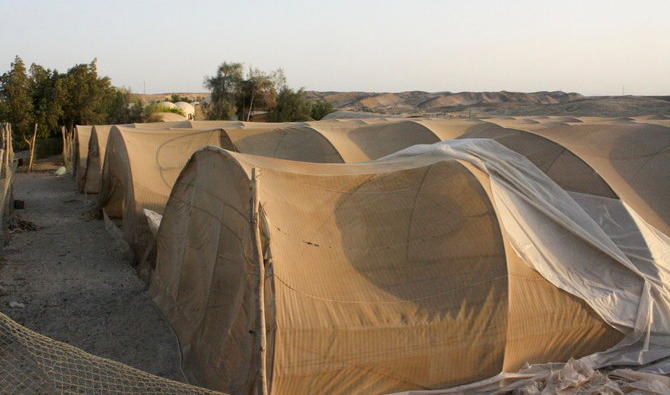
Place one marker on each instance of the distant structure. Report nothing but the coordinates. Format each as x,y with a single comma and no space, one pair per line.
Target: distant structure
187,108
168,104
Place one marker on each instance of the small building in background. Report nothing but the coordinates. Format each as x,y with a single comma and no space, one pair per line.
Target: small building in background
187,108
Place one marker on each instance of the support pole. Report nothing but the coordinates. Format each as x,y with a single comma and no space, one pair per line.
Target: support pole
260,262
63,134
5,147
31,144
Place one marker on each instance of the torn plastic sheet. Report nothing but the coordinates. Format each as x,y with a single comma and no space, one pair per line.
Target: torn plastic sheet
595,248
572,377
153,220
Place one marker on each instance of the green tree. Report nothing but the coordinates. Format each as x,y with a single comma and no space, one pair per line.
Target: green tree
174,98
88,96
48,96
225,87
16,102
320,109
123,107
291,106
136,109
259,92
234,93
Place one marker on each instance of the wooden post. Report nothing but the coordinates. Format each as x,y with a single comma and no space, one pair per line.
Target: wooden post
260,262
73,150
68,148
64,139
11,146
5,145
31,145
5,148
251,104
9,152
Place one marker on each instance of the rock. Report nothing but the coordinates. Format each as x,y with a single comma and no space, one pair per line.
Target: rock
3,291
61,171
16,305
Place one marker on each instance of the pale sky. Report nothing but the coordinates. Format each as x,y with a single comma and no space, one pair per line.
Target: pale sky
594,47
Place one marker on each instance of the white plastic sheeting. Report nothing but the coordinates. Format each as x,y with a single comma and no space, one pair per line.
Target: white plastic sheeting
153,220
574,377
595,248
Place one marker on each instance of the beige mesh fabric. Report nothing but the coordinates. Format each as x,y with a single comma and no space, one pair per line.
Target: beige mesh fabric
141,162
220,124
558,163
318,142
346,141
34,364
161,125
632,157
294,142
95,158
321,142
380,277
141,166
82,138
209,124
377,140
98,142
627,286
383,138
7,171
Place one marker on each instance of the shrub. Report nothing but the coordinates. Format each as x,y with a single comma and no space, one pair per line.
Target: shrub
320,109
157,107
291,106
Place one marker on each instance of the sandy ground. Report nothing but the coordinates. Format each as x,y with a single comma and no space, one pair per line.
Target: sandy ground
75,284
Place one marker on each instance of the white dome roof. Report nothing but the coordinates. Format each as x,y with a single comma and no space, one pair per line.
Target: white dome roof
167,104
187,108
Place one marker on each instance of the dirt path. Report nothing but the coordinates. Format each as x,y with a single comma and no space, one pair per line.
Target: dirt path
74,283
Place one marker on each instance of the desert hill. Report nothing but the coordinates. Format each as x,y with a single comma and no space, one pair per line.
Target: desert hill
432,102
478,103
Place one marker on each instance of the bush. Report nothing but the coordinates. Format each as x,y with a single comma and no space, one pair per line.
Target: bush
221,109
320,109
174,98
157,107
291,106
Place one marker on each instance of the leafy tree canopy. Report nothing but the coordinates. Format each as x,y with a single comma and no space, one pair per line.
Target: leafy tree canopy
225,86
88,96
49,99
48,95
294,106
235,92
16,101
124,107
174,98
291,106
320,109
